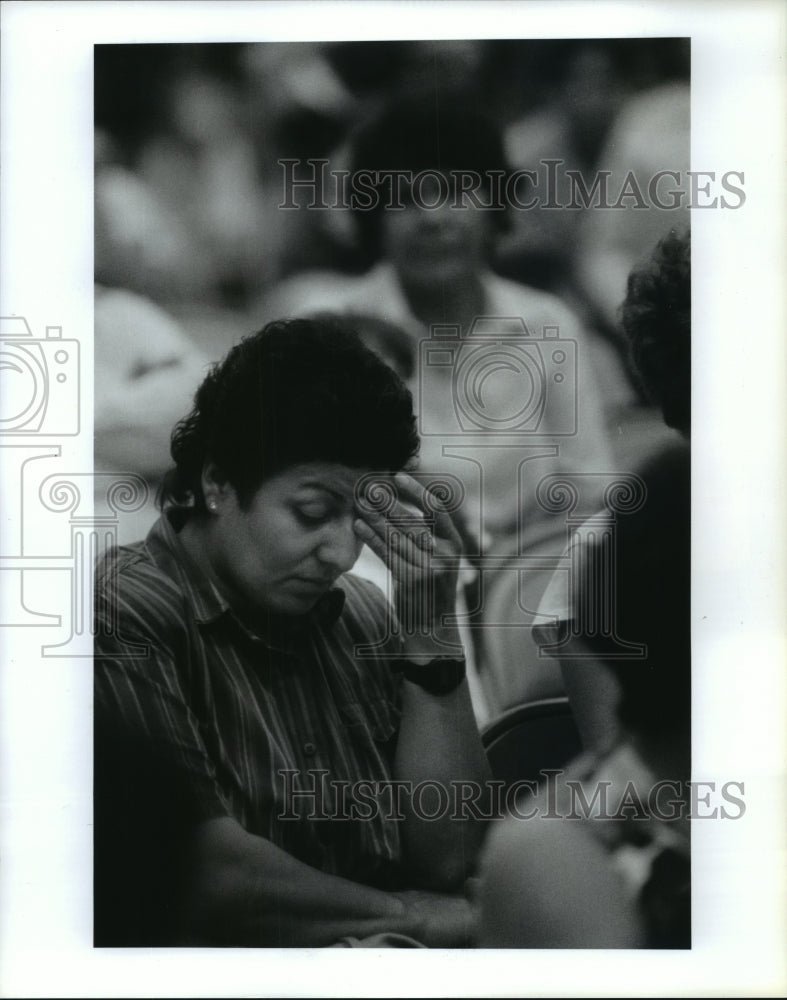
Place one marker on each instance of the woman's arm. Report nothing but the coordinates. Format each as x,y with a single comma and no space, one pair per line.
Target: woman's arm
246,891
439,749
438,743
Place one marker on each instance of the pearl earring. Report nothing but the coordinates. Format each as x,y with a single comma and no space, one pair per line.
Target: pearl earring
212,505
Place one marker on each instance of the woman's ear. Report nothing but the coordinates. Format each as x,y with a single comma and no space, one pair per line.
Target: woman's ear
215,487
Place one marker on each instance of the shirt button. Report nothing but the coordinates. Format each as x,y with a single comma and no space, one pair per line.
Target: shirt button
309,749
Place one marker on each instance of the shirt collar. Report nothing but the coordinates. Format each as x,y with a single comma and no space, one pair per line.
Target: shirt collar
208,604
383,284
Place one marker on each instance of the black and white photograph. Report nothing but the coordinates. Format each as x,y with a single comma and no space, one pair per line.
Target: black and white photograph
463,271
388,521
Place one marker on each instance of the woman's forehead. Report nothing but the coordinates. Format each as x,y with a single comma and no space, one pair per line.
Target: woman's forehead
330,477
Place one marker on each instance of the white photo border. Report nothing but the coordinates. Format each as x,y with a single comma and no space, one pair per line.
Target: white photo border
739,420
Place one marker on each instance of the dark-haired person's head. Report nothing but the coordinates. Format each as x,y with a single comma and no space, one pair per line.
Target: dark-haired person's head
298,391
451,162
268,462
388,340
656,317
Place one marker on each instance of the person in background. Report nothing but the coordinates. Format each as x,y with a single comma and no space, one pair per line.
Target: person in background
655,324
656,320
432,265
256,705
620,877
617,874
146,367
611,243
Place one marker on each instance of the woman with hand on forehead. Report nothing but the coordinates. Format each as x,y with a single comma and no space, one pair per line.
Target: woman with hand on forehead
275,749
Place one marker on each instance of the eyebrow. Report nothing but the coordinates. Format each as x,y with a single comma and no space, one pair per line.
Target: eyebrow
313,484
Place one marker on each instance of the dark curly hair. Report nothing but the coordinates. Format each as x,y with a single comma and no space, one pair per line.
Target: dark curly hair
300,390
388,340
656,317
418,131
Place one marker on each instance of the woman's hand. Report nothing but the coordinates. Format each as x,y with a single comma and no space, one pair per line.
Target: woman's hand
416,539
439,920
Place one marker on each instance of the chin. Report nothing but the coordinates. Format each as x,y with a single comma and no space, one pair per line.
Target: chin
294,605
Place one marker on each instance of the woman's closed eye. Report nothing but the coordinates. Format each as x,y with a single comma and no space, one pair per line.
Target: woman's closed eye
313,513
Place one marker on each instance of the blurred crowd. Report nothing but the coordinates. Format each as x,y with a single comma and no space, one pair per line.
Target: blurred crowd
189,139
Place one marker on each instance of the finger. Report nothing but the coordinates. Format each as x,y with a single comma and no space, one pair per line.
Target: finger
407,519
370,537
409,501
404,555
407,559
406,510
430,504
401,518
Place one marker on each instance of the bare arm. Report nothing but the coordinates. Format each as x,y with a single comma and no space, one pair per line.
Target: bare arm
439,747
246,891
551,884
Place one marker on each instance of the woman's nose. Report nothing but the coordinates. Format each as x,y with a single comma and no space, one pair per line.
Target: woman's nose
340,546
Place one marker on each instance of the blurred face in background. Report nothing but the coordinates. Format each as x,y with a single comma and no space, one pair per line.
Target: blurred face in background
431,239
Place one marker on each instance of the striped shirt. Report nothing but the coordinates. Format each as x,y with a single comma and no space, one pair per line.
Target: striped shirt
200,717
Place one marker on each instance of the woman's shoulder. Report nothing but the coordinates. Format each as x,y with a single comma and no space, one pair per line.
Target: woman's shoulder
130,563
125,562
135,592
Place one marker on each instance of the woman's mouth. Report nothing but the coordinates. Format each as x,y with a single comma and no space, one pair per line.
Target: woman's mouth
313,583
